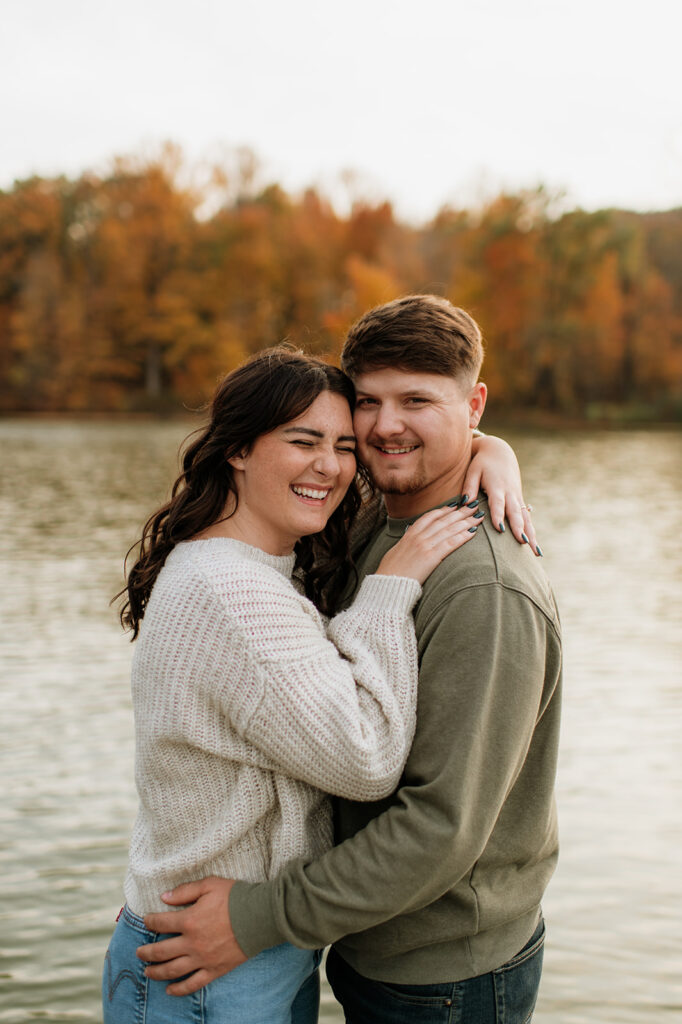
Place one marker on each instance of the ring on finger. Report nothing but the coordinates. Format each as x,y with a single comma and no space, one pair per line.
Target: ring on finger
528,508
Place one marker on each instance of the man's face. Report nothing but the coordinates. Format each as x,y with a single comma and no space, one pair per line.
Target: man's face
414,435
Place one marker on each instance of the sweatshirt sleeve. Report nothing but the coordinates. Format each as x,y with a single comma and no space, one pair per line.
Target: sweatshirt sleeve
482,691
336,711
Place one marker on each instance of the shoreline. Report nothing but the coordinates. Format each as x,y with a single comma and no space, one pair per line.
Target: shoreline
527,420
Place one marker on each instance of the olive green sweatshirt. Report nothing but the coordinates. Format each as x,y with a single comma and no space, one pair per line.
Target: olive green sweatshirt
443,880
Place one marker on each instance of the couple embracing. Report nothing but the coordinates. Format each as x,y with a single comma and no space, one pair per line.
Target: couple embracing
346,687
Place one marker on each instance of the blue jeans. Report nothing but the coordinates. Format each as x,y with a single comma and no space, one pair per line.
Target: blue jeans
506,995
279,986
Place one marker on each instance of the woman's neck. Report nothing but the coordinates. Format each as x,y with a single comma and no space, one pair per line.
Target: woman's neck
237,524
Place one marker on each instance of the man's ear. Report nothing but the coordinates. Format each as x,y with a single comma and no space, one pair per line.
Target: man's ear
477,399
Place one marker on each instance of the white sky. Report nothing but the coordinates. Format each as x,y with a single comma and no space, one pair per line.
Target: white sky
430,101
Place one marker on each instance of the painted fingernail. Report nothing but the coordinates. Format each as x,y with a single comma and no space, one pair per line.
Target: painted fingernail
525,538
539,550
472,529
464,499
472,504
479,514
453,504
502,529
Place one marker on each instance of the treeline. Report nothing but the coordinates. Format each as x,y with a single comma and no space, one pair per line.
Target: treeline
137,289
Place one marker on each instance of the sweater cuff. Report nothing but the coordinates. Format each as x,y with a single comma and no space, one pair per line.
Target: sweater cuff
252,917
394,593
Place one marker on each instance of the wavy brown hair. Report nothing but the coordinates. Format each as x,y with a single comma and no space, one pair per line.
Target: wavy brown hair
274,387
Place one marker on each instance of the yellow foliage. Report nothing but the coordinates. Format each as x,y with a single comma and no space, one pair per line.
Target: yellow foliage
147,284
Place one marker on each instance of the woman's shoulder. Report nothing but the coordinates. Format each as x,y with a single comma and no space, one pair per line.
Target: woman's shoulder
220,555
234,571
227,595
218,580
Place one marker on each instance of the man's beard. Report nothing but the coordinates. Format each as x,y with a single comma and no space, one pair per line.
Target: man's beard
391,483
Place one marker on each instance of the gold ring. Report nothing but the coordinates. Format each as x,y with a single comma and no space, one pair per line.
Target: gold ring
528,508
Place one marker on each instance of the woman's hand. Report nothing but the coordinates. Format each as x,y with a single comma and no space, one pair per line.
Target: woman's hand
428,540
494,469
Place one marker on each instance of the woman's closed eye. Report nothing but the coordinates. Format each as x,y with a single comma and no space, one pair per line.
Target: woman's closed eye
346,449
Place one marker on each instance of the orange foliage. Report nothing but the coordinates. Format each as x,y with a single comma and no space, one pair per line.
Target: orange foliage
134,290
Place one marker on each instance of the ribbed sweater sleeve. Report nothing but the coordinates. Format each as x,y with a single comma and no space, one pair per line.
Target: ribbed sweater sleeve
249,708
335,711
329,704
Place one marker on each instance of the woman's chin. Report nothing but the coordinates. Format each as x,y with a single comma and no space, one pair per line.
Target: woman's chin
315,523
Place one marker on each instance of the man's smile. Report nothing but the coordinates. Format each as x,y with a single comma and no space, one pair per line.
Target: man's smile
395,450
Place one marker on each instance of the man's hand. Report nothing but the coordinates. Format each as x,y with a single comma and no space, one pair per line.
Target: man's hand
203,946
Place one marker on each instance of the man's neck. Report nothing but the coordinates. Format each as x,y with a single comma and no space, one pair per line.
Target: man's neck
407,506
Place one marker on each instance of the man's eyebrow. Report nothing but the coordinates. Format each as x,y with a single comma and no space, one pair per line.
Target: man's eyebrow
414,392
316,433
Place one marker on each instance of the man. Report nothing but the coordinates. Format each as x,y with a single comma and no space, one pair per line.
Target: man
432,897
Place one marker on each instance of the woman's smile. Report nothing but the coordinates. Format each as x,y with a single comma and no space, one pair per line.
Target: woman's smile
312,494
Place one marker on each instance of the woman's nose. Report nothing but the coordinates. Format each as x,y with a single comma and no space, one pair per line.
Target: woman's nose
327,463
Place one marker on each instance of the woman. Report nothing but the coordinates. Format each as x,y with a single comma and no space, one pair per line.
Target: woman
249,708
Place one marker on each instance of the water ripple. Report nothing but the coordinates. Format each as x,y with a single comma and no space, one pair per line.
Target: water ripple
608,518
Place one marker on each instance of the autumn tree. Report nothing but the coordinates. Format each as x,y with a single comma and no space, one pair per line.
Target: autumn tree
136,288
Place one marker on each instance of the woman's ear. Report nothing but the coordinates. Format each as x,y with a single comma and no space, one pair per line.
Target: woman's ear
238,461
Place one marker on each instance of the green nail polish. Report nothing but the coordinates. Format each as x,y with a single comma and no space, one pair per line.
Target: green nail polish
479,514
464,499
525,538
453,504
472,529
539,550
472,504
502,529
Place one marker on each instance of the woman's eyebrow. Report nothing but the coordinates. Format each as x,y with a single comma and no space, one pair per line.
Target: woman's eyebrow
316,433
303,430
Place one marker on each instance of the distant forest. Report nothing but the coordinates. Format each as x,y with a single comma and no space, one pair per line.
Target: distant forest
135,290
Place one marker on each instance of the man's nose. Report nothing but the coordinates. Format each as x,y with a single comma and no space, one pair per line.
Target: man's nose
389,421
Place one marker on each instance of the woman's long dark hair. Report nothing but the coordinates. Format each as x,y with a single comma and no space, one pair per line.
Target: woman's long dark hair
274,387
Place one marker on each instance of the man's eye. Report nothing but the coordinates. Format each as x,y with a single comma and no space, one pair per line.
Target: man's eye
304,444
364,402
416,400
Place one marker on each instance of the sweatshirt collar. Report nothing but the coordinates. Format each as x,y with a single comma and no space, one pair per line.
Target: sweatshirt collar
397,527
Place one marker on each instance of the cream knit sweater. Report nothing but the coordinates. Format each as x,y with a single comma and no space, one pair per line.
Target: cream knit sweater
248,705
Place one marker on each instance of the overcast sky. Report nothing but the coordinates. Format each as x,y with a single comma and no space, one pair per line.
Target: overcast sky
429,101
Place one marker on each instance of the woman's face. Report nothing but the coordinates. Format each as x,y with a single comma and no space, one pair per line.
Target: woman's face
296,476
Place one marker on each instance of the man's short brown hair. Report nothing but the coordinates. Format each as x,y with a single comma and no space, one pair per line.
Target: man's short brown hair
425,333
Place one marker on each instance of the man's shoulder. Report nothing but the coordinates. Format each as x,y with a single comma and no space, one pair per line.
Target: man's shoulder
491,562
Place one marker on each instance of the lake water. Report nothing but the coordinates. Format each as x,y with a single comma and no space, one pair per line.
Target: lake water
608,510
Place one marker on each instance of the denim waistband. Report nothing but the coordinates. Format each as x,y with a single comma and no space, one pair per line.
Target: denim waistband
134,921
